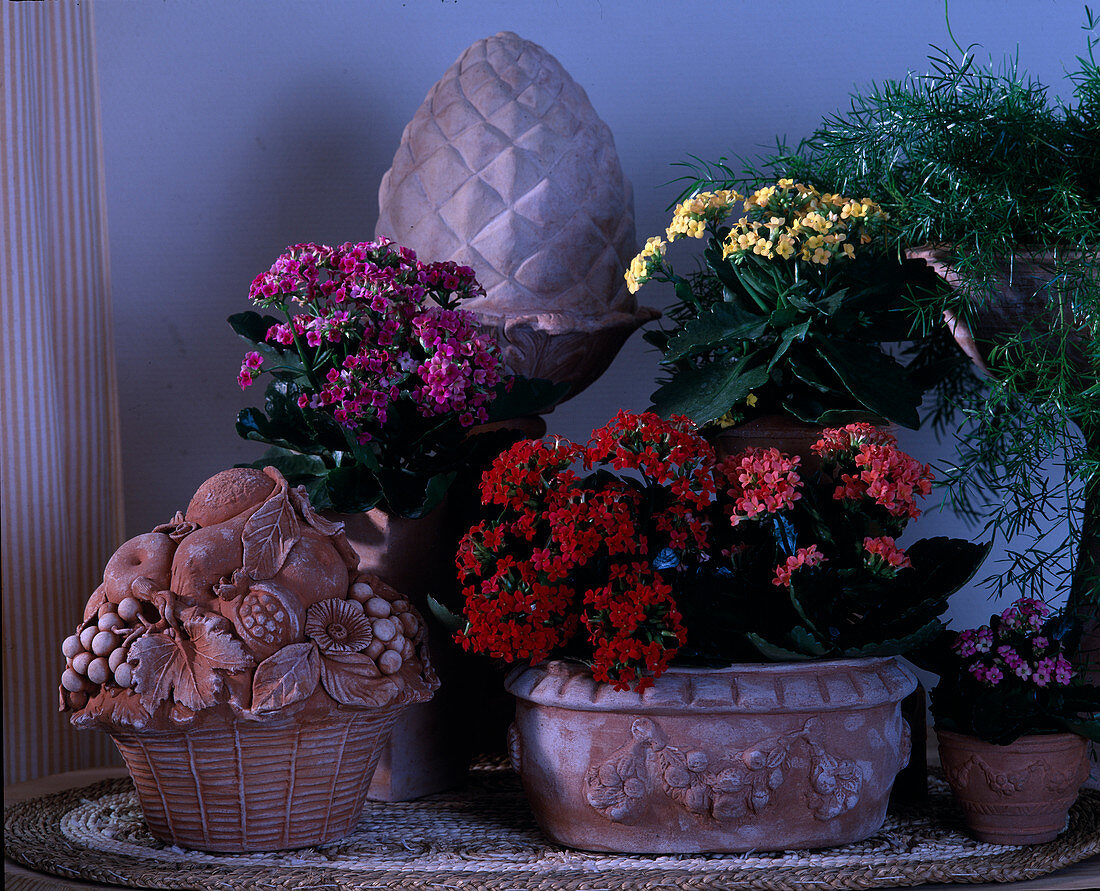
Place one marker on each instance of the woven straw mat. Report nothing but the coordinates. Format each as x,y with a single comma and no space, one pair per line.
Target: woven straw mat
484,837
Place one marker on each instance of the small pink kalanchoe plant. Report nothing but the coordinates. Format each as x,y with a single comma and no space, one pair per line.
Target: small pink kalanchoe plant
1012,677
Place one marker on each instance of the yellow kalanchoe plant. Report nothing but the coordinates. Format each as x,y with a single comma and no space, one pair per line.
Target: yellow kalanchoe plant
800,293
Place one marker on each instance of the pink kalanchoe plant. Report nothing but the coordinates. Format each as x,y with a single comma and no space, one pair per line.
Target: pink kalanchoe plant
376,372
1012,677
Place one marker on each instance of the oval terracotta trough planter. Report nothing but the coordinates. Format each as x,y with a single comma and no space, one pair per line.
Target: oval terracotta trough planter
751,757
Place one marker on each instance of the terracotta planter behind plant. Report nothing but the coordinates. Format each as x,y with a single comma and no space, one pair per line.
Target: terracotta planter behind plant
1024,304
753,757
1017,794
416,556
789,435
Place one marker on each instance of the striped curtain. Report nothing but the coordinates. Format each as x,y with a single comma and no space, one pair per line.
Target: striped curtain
61,490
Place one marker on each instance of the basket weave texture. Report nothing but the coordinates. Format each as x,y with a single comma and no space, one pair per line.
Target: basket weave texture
484,838
236,786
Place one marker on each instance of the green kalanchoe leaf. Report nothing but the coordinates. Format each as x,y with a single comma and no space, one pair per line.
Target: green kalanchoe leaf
449,620
352,489
253,424
715,327
707,393
252,326
776,653
898,646
526,396
945,564
792,334
808,642
410,494
876,380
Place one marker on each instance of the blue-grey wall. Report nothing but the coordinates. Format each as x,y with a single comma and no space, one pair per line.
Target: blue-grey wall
235,127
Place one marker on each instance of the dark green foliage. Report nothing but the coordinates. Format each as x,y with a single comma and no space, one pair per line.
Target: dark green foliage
811,347
842,614
987,163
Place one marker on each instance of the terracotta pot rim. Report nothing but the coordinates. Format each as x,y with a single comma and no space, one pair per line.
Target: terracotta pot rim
744,688
1029,740
564,322
942,250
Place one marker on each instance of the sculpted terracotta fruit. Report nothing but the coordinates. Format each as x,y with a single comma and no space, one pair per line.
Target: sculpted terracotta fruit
205,557
267,618
228,494
314,569
145,556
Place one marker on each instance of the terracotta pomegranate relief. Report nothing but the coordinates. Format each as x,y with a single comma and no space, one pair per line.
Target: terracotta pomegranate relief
507,168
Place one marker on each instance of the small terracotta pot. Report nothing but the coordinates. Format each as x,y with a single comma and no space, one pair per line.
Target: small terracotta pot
789,435
752,757
1017,794
233,786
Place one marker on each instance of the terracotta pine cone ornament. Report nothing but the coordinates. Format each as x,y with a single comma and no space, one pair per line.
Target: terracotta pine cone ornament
248,605
507,168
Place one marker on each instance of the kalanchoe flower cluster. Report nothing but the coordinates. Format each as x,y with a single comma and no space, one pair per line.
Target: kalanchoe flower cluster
374,326
1013,677
565,556
1014,649
809,556
883,556
781,221
871,466
663,545
762,481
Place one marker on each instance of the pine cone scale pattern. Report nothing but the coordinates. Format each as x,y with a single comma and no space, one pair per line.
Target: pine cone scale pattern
507,168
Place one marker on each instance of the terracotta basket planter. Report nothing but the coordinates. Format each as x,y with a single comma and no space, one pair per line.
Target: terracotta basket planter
753,757
1017,794
238,786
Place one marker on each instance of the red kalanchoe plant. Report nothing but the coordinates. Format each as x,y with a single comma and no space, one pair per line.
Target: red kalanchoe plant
661,551
565,556
376,370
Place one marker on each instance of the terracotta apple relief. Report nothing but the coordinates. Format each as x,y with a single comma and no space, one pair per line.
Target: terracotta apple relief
250,602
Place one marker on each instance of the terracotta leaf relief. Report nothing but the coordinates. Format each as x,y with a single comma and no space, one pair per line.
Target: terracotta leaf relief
185,662
269,535
354,679
734,789
285,678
